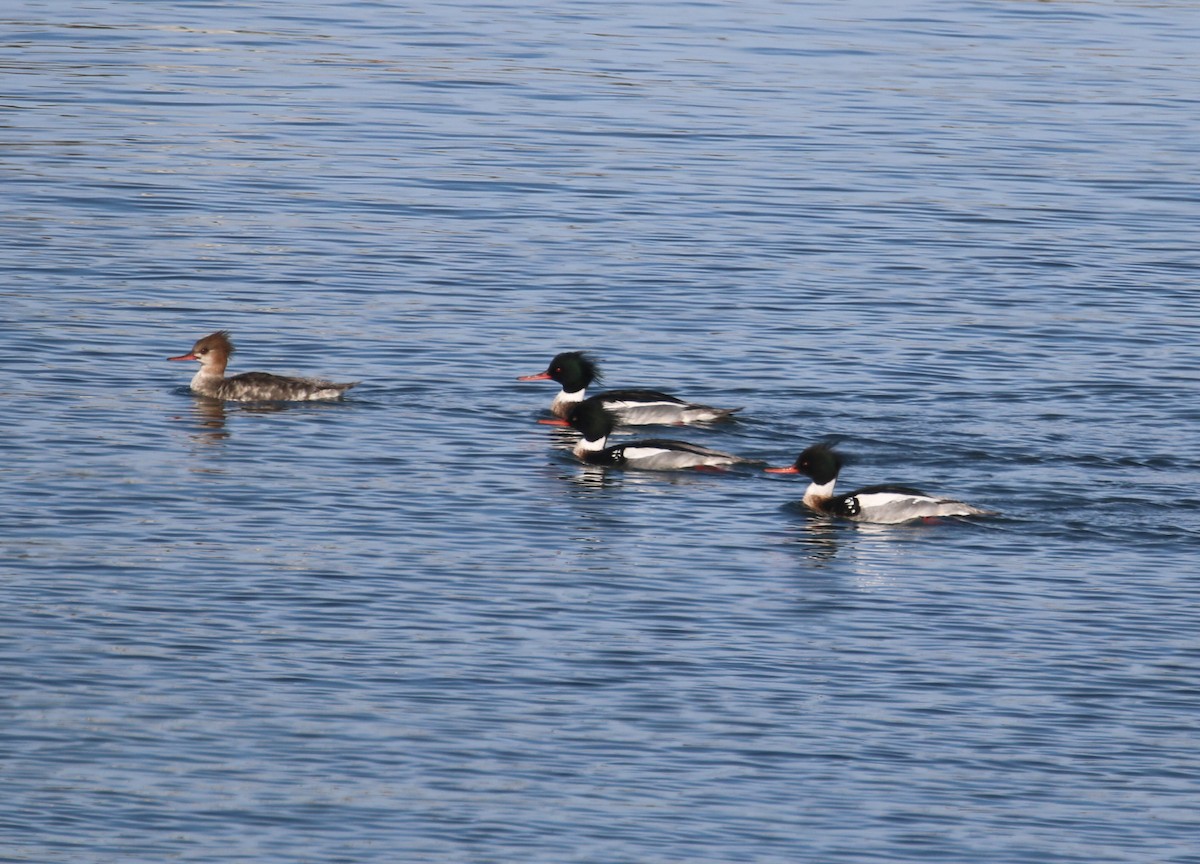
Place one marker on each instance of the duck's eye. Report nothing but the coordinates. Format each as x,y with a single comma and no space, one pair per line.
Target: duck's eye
202,351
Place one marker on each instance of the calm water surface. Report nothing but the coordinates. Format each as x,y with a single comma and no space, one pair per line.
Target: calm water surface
960,237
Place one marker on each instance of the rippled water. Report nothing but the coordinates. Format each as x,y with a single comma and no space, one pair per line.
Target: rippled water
959,237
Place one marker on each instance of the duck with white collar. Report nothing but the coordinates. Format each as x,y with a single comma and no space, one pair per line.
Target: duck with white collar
595,423
884,504
576,370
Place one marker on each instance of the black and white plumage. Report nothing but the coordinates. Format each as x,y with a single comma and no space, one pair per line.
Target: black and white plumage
575,371
595,423
213,351
886,504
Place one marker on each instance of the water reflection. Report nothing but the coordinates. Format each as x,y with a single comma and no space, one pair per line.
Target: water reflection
816,535
209,416
870,549
823,538
562,438
591,477
587,476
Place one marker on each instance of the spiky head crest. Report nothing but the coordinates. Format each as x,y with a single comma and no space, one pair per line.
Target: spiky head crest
574,370
820,462
218,341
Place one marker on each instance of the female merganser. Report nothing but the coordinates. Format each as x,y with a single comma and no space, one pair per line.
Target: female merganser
885,504
596,422
213,353
575,370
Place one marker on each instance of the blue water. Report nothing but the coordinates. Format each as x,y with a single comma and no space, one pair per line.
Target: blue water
959,237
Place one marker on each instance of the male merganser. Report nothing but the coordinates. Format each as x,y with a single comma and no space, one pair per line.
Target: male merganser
885,504
596,422
575,370
213,353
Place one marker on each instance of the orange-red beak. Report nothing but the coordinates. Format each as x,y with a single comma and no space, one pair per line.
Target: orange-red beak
790,469
541,376
553,421
184,357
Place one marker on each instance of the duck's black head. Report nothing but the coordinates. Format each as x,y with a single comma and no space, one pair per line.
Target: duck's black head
820,462
592,419
574,370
